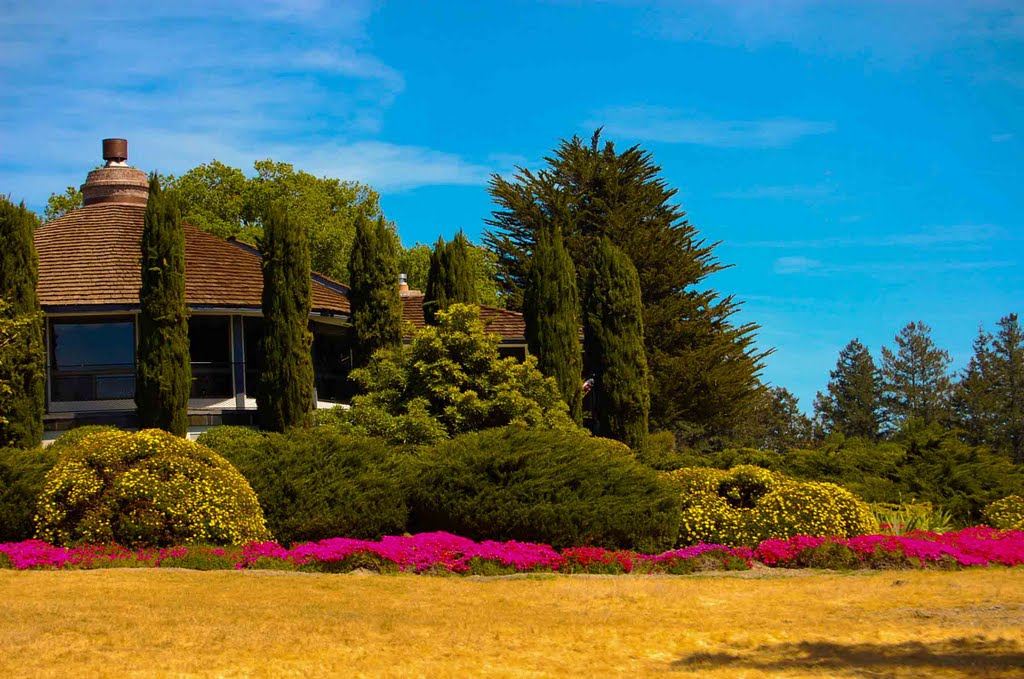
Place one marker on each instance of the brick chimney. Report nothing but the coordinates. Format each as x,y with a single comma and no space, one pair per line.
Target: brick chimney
116,183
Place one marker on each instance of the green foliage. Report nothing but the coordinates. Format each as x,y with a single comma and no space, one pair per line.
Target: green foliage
59,204
704,366
852,402
146,489
777,423
614,340
449,381
22,357
1007,513
746,505
414,262
222,200
899,519
551,312
916,378
315,484
163,378
373,283
71,437
450,278
21,480
285,392
557,487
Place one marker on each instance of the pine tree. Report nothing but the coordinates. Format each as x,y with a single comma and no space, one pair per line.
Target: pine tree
450,279
373,280
975,404
705,367
852,402
916,378
22,372
551,312
614,336
164,373
778,423
285,396
1008,364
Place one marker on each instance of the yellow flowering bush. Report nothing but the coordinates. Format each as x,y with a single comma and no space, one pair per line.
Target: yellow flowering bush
146,489
1006,514
746,505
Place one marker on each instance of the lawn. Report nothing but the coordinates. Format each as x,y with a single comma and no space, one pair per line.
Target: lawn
260,623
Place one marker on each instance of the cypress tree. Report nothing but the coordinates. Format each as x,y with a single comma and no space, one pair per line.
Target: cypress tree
450,279
373,280
164,372
614,337
435,297
852,402
23,371
285,395
551,312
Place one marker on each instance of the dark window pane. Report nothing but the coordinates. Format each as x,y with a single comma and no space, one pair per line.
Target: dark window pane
252,331
209,339
79,346
518,353
332,363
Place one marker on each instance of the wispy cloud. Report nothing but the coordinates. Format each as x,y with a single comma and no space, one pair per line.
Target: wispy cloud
781,192
961,234
658,124
1002,137
814,267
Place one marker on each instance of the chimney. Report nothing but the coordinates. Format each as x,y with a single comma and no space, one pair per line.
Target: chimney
403,283
116,183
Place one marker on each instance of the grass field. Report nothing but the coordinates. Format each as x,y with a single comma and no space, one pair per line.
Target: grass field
184,623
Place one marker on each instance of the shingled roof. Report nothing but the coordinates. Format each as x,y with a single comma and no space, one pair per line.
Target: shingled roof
90,258
509,324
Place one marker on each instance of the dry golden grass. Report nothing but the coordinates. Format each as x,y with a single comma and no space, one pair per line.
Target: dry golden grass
182,623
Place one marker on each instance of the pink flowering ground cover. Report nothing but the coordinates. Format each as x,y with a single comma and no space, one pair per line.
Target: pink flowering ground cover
445,553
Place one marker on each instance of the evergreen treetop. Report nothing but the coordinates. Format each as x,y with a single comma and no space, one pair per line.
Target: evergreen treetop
916,378
852,402
374,295
451,278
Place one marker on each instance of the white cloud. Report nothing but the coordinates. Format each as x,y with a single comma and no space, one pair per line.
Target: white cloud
792,265
658,124
959,235
1002,137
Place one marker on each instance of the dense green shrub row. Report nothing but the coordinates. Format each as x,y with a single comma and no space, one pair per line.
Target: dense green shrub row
22,473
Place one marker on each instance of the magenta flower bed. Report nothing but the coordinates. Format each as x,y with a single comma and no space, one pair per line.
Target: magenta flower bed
443,552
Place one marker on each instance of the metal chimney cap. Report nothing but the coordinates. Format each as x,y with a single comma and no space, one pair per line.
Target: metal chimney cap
115,151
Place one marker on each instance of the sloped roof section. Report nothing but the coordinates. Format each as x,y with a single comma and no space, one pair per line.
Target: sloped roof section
91,258
509,324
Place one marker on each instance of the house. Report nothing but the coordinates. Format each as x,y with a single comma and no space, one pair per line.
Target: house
89,279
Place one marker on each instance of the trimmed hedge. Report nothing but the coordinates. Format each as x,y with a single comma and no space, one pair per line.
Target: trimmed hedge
1006,514
746,505
22,473
146,489
555,487
315,484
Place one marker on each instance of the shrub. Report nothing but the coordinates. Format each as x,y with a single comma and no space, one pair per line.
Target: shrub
232,442
899,519
747,504
555,487
149,488
71,437
21,479
1006,514
317,483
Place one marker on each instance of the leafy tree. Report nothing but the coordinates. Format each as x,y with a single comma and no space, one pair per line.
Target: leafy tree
59,204
778,424
705,368
614,336
551,312
285,394
373,281
450,278
448,381
852,401
414,262
916,378
164,371
22,358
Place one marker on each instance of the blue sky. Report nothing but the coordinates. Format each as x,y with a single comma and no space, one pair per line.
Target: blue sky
860,162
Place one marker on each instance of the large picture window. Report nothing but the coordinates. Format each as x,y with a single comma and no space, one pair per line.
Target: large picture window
92,360
209,340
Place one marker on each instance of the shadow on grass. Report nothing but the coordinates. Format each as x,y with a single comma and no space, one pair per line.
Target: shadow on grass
967,656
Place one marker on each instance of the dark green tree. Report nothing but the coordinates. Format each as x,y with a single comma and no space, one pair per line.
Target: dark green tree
164,372
778,424
975,403
705,367
23,365
614,340
852,402
435,295
285,394
415,263
551,312
451,278
916,378
373,281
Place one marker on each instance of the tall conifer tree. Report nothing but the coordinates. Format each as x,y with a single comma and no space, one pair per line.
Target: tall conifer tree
614,336
450,279
916,378
435,297
285,396
551,312
852,401
373,278
975,402
164,372
23,370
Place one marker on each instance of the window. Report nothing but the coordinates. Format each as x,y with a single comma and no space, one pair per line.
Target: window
92,360
517,352
332,362
252,330
209,340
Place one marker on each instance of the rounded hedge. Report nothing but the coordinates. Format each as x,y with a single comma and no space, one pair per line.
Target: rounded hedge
146,489
72,436
317,483
532,485
1006,514
746,505
22,473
